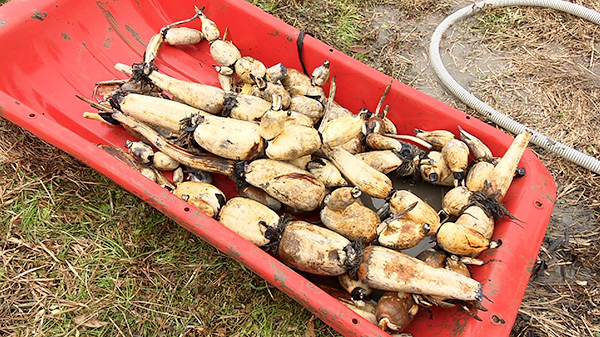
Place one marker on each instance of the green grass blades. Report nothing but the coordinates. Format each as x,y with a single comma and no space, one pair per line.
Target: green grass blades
81,256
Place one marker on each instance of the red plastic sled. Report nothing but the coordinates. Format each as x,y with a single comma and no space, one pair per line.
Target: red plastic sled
53,50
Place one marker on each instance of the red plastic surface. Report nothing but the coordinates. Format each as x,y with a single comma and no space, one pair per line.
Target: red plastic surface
52,50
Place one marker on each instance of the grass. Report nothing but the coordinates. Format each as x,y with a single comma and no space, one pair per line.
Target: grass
497,22
337,22
346,24
73,245
80,246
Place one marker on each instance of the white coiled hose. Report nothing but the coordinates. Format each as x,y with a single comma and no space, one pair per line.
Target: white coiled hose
500,119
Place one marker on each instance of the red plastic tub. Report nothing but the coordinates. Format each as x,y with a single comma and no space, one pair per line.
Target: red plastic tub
52,50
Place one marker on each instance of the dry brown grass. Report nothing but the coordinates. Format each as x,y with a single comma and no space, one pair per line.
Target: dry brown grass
80,256
550,83
538,66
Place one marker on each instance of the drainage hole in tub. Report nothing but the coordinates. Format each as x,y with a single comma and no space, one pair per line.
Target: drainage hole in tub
32,115
186,209
538,204
354,321
468,117
331,50
497,320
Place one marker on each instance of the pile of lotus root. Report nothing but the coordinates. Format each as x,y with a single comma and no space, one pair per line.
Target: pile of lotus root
292,152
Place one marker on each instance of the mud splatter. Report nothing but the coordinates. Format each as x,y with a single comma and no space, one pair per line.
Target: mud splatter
114,24
39,15
135,35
